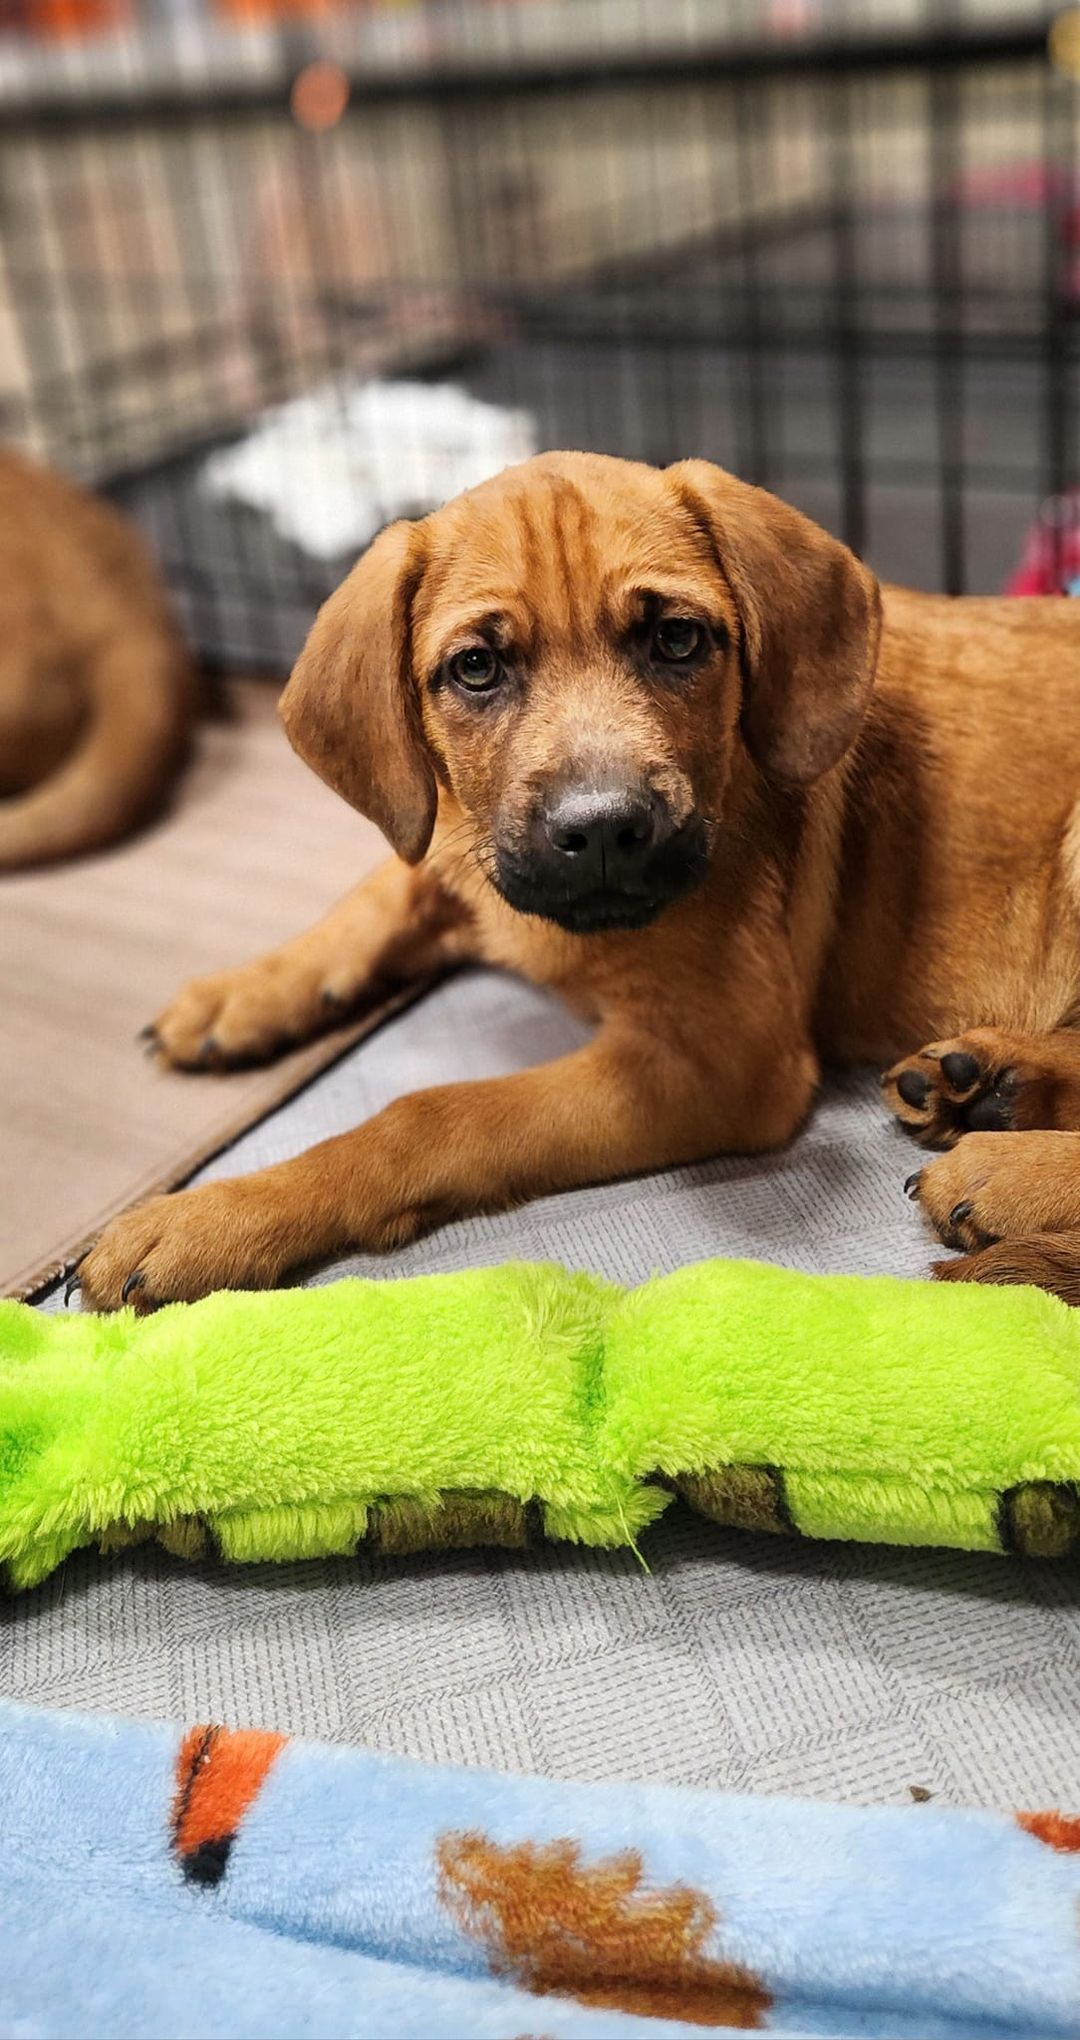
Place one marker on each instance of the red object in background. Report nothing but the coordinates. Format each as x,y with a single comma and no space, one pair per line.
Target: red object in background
276,10
1050,561
319,96
59,19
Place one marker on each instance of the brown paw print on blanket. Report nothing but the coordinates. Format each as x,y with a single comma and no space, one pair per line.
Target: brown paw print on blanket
597,1933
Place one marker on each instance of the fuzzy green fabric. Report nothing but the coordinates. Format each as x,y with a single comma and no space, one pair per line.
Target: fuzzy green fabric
492,1407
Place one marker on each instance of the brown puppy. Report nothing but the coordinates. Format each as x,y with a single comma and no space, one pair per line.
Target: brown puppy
96,693
622,728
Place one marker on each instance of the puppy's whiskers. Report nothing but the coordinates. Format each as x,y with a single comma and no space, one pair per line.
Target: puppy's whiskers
457,846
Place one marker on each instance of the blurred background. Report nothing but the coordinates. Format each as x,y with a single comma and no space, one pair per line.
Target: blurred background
275,271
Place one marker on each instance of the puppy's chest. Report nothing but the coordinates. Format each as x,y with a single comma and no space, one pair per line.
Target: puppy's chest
546,955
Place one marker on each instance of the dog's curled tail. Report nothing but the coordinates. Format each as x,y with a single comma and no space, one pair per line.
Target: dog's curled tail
139,692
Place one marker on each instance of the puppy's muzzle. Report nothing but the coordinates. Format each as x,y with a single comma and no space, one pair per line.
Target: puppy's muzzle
597,856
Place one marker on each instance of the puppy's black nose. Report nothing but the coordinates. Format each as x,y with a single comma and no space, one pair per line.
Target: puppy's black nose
603,833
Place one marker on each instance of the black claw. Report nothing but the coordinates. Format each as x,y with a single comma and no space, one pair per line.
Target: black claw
911,1187
961,1211
960,1070
134,1281
331,1001
210,1048
914,1088
148,1033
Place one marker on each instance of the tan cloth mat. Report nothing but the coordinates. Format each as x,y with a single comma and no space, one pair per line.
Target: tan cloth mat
254,849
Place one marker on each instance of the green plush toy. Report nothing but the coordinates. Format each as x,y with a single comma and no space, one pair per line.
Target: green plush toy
524,1400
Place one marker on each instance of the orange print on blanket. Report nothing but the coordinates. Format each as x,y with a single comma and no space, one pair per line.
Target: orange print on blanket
219,1772
1057,1830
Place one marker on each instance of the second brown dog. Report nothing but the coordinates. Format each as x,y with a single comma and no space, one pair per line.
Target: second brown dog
96,691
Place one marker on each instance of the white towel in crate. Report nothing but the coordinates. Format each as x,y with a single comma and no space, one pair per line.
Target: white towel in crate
331,468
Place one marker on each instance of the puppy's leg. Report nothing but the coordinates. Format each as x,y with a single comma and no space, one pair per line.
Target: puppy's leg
987,1081
396,928
1046,1261
623,1103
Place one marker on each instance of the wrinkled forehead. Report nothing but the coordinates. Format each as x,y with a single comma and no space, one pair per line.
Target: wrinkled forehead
537,555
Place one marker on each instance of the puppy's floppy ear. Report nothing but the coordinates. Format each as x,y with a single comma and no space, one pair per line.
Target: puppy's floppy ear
811,622
349,708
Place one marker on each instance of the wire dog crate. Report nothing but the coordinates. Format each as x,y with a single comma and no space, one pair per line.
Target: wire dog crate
271,285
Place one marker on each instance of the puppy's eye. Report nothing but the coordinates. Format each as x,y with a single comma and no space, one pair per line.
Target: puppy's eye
676,639
478,669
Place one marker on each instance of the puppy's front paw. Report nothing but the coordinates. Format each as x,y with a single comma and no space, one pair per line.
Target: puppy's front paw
975,1084
994,1186
247,1016
178,1248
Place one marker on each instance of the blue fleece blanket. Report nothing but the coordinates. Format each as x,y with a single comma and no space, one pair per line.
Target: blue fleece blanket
229,1882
